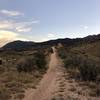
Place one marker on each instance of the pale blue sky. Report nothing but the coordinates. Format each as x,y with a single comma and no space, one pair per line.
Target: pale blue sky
41,20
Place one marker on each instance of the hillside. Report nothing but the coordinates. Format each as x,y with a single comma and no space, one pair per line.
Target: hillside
18,45
22,45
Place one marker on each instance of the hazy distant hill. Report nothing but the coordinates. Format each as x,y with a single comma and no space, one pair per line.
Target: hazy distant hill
19,45
68,41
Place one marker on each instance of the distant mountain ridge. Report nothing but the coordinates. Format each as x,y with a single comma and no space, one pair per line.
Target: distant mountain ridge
18,45
21,45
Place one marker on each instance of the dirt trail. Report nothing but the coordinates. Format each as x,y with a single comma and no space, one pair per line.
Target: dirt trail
48,84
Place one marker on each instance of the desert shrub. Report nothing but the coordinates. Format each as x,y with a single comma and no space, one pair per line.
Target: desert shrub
88,70
40,60
95,92
68,62
29,64
62,53
50,50
19,96
4,93
25,65
0,62
2,69
72,61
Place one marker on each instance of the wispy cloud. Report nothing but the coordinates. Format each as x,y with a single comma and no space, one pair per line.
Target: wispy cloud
50,35
23,29
17,26
11,13
25,26
5,24
13,28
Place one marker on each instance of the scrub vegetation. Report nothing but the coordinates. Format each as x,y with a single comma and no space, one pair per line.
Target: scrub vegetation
82,62
20,70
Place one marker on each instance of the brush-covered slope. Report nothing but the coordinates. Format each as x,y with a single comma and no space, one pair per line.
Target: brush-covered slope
19,45
67,41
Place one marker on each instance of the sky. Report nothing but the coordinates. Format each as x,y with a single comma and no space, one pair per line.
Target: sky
42,20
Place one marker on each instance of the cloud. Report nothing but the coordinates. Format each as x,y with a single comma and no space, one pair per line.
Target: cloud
11,13
11,29
17,26
5,24
8,36
50,35
23,29
25,26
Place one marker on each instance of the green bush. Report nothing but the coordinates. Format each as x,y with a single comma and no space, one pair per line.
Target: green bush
29,64
72,61
4,94
62,53
26,65
88,70
68,62
40,60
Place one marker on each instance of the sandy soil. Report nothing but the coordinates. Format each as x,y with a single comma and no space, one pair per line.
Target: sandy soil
55,85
